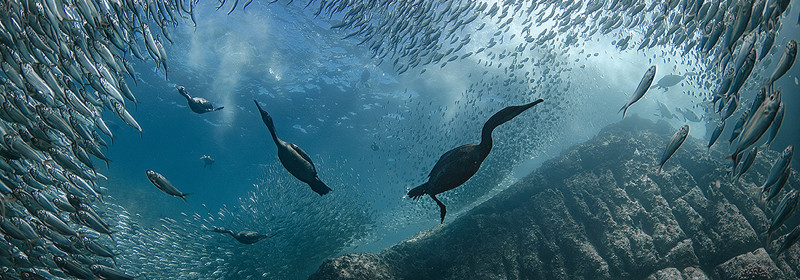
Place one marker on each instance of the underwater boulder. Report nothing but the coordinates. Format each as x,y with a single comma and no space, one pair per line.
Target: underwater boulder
582,216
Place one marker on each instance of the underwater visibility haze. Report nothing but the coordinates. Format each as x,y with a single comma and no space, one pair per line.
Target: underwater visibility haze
596,139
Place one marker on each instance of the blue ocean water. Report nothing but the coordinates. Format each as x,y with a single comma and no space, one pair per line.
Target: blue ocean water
372,132
372,137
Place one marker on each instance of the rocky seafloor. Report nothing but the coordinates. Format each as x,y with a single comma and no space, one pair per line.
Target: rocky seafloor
602,210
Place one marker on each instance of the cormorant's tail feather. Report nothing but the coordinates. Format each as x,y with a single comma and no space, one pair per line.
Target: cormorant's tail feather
418,192
319,187
218,108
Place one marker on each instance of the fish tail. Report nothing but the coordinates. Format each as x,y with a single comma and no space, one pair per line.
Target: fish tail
418,191
732,157
183,196
319,187
624,109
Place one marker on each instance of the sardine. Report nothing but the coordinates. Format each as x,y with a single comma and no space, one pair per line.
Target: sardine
644,85
717,132
785,63
673,145
747,163
790,240
759,122
164,185
776,125
782,213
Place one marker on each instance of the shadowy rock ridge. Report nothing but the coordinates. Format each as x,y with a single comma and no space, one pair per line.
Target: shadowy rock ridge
602,210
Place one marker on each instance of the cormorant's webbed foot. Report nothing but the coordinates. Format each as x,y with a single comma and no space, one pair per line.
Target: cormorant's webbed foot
442,208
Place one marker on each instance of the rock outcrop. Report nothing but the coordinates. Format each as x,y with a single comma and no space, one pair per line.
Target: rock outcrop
602,210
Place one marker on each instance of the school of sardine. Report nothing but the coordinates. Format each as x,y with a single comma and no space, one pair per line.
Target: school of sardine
64,63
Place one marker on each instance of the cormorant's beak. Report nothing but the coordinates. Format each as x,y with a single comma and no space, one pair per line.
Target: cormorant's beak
510,112
264,115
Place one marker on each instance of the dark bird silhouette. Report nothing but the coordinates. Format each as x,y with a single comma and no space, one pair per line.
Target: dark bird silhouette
245,236
458,165
294,159
197,104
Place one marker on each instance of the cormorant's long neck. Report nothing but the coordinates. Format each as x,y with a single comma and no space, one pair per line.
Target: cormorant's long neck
271,128
222,230
184,93
486,138
502,116
267,119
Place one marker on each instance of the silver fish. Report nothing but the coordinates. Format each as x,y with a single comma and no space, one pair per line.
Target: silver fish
785,63
783,212
747,163
776,125
105,272
737,128
126,117
759,122
92,222
55,223
731,107
744,49
790,240
776,188
717,132
673,145
73,268
164,185
743,73
644,85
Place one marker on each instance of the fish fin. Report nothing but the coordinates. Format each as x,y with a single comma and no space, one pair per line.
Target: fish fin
319,187
624,109
418,191
183,196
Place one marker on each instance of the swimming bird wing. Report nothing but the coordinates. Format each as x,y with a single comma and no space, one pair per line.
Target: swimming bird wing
452,157
442,163
302,154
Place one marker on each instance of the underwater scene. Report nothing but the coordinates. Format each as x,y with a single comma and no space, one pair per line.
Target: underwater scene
409,139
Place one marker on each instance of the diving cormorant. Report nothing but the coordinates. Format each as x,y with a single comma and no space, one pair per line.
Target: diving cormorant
245,236
458,165
294,159
207,160
197,104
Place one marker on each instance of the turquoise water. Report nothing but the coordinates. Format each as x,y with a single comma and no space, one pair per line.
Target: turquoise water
372,132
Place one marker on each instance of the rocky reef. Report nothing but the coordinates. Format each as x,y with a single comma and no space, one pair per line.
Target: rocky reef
602,210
